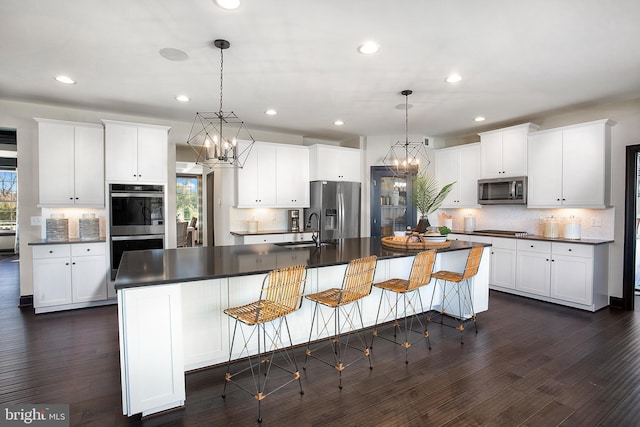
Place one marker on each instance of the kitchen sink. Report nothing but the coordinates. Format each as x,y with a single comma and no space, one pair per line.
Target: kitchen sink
302,244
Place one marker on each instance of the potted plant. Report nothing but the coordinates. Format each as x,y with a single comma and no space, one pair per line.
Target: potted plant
427,197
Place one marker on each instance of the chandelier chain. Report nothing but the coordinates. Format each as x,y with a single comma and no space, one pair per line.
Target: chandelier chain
221,73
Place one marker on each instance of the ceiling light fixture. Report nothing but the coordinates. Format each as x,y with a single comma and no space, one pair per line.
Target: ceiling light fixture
214,136
338,123
271,112
405,157
479,119
453,78
66,80
228,4
368,48
183,98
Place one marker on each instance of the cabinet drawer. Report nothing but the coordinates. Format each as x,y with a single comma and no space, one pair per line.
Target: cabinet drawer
533,246
572,249
498,242
263,238
86,249
51,251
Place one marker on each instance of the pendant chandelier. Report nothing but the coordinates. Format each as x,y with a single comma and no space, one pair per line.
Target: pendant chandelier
214,136
405,157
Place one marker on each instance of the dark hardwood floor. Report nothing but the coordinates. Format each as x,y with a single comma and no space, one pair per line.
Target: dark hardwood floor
531,364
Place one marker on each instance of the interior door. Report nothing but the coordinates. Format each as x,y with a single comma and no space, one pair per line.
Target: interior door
392,207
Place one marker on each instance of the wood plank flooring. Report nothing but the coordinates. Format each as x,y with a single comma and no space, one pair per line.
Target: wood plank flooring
531,364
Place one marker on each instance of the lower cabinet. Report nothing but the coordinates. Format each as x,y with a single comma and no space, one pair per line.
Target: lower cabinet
69,276
275,238
503,262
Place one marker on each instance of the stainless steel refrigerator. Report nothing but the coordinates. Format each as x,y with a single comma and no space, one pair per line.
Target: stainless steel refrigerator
337,206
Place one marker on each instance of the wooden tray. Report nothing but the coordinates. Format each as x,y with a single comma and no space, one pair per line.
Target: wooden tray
396,242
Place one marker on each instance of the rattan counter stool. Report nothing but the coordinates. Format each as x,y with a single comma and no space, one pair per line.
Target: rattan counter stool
409,290
461,289
281,294
343,303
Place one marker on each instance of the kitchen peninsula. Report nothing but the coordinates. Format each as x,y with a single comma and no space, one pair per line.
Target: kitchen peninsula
171,302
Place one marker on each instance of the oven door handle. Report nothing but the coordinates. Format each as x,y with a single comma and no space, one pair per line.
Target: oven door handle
136,194
138,237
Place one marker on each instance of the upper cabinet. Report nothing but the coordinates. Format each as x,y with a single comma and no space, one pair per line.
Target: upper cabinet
571,166
503,152
462,165
329,163
71,164
136,152
274,176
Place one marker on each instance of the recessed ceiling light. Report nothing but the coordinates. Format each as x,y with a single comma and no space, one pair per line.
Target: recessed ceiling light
173,54
338,123
368,47
453,78
271,112
183,98
479,119
66,80
228,4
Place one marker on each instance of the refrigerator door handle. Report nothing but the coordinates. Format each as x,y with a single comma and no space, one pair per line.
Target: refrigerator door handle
340,214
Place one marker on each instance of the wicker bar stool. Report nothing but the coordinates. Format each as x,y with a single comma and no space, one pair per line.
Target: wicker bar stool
356,285
461,290
409,289
281,294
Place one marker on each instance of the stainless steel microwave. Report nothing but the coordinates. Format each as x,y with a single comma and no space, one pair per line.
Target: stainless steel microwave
503,191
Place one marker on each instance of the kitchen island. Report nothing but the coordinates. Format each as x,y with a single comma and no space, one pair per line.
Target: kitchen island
171,302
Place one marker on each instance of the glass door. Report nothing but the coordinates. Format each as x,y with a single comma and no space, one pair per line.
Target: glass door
392,207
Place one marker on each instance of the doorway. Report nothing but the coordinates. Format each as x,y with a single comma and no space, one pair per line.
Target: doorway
631,259
392,208
8,192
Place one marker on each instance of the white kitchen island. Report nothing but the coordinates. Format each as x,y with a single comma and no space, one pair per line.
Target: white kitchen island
171,302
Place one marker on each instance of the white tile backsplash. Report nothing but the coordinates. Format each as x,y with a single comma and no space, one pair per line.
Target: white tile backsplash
520,218
268,219
74,215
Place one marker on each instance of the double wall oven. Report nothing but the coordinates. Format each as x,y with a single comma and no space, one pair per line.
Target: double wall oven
136,219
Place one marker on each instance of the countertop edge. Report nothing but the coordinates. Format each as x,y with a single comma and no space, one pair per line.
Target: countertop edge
263,232
586,241
72,241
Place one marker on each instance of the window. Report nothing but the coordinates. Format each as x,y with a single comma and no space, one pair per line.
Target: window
8,199
188,197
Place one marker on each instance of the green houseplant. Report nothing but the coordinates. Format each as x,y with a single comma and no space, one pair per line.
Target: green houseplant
427,196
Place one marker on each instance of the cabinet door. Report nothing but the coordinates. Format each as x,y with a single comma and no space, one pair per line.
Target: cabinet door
446,172
247,178
572,279
121,152
491,155
468,173
266,183
152,154
292,176
583,180
348,165
51,282
89,166
55,153
533,272
89,278
503,267
545,169
514,152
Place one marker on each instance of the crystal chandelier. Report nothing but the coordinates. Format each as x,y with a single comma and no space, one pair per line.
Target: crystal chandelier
214,136
406,157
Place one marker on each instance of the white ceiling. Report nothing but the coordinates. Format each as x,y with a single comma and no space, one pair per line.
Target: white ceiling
517,58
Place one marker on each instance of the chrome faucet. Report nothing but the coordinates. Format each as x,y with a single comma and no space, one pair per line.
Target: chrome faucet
315,236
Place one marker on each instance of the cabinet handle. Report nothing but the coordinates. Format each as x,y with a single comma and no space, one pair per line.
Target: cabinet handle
88,250
73,263
547,259
558,200
532,246
50,252
553,260
569,250
563,199
70,198
66,263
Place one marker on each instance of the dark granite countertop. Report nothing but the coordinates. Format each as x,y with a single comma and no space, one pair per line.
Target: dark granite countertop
158,266
537,237
261,232
65,242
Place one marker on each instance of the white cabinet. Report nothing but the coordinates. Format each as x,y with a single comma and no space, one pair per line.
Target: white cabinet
462,165
256,181
71,164
503,263
274,176
570,166
69,275
503,152
534,267
135,152
151,351
329,163
292,176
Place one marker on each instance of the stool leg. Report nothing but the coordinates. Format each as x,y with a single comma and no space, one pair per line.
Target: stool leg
406,327
473,311
375,326
227,376
367,350
426,323
293,356
308,352
259,394
460,314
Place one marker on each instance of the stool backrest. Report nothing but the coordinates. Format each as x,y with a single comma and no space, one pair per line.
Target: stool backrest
358,279
473,262
283,289
421,269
